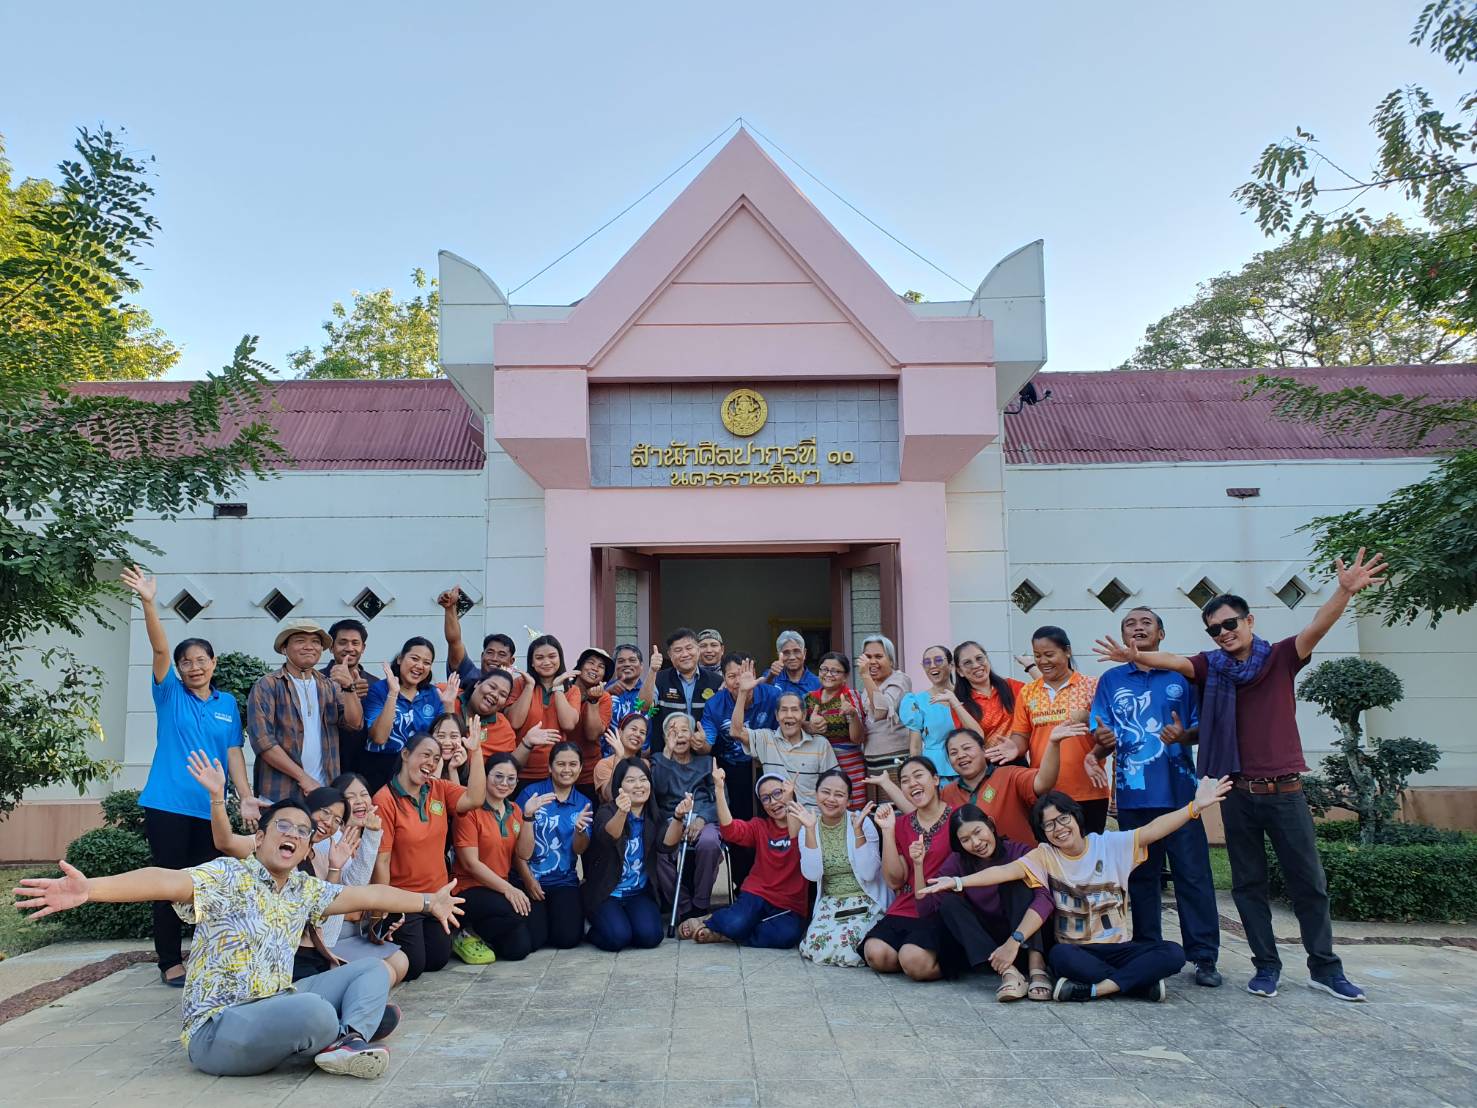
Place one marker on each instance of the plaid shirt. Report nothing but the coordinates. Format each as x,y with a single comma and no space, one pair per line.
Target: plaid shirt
273,718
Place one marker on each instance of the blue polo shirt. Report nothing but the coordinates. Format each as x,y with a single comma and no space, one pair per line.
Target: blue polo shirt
1137,705
758,716
808,683
553,861
411,716
184,723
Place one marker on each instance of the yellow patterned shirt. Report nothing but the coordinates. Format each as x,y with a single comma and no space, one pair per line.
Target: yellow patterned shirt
246,933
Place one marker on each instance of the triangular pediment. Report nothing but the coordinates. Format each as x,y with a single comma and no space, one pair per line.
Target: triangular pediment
741,275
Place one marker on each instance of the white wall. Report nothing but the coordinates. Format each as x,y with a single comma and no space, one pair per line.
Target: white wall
978,569
1157,526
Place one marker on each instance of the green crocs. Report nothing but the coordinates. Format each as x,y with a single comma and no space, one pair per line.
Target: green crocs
472,950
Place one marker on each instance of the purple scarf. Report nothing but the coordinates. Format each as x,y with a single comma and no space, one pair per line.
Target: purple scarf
1220,754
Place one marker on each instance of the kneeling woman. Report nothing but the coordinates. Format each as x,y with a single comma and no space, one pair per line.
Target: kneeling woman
618,896
996,926
771,907
415,812
556,831
495,910
839,852
903,940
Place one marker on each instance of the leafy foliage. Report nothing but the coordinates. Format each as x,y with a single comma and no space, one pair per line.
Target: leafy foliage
77,465
1305,302
1365,779
236,672
103,852
379,337
1434,883
1391,834
121,809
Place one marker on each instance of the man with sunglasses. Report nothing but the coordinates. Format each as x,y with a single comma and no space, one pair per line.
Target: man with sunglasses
1248,731
241,1012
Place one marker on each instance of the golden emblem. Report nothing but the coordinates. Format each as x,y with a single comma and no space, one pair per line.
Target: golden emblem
744,412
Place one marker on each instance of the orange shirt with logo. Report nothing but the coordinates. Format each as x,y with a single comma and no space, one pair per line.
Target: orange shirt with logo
414,834
1037,713
494,842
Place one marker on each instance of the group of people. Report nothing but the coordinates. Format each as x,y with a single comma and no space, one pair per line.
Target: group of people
955,829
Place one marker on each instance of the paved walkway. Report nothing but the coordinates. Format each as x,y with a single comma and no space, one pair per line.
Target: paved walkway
688,1025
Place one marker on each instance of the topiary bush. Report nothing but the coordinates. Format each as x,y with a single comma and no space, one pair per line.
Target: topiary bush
103,852
1427,883
121,809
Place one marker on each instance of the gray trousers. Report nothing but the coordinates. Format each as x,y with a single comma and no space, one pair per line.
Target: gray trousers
260,1035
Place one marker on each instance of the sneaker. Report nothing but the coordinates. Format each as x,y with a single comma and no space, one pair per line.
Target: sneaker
1157,992
1207,976
1264,983
1068,990
472,950
351,1056
388,1022
1338,985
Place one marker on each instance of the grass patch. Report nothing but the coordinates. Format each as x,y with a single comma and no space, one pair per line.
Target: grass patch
1220,868
17,933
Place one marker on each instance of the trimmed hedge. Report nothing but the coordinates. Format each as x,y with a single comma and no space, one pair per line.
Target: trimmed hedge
103,852
1424,883
121,809
1391,834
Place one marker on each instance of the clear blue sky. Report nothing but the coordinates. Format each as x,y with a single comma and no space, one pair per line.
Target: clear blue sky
308,149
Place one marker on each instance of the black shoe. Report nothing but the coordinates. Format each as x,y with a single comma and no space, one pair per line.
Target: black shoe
1207,975
1069,991
172,982
388,1022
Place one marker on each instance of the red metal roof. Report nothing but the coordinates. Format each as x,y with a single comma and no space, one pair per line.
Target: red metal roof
1201,415
354,424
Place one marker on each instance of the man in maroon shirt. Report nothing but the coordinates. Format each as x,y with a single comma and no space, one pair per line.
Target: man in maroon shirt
1248,730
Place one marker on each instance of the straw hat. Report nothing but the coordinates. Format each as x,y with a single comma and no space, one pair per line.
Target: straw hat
300,627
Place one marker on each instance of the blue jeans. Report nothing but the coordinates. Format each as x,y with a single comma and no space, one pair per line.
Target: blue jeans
630,921
1194,886
1131,965
753,921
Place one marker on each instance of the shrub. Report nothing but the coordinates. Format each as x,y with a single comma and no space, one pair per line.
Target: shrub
121,810
103,852
1391,834
1428,883
236,672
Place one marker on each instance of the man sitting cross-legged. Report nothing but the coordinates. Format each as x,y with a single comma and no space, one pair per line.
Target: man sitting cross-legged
241,1013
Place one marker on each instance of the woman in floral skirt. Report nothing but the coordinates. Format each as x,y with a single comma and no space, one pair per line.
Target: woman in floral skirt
840,853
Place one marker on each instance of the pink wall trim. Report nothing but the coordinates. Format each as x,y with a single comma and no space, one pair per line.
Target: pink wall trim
911,514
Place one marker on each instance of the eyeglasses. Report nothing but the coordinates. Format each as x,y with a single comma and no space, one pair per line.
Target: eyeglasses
291,830
770,797
1057,823
936,660
1214,629
503,779
831,671
973,663
330,818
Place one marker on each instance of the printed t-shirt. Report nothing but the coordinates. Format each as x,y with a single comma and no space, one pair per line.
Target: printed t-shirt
411,715
1089,892
800,763
553,861
622,704
494,839
986,898
1266,713
1006,795
1037,712
633,861
184,723
807,683
1136,704
415,830
933,722
776,876
936,853
758,716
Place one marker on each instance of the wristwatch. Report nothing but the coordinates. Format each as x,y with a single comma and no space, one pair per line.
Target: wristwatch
1017,936
426,903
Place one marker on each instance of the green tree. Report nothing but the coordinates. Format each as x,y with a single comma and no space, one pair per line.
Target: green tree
378,337
77,465
1363,778
1426,157
1307,301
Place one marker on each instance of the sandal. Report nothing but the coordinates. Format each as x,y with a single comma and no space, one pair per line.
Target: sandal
1012,986
1040,986
689,928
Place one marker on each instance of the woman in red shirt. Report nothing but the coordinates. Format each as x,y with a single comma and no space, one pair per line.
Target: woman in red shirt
835,712
987,696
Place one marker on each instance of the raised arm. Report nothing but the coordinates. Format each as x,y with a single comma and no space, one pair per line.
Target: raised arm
1209,793
720,795
1109,649
208,774
383,712
647,695
476,792
517,712
1352,579
1051,761
892,792
386,898
894,868
147,589
451,628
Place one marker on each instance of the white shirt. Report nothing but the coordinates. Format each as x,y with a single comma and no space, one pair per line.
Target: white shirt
312,713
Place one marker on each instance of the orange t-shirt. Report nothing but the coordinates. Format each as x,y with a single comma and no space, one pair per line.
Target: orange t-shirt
590,748
541,713
494,842
415,830
1006,796
498,736
1037,714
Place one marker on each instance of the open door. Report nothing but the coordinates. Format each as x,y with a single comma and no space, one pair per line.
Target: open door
864,597
627,598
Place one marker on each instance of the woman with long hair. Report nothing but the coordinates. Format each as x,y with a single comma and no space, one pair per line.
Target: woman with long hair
400,704
495,910
839,851
449,730
630,741
994,927
190,714
930,715
985,694
416,808
546,712
834,712
556,831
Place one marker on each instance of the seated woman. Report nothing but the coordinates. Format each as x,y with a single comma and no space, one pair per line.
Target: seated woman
840,854
346,943
902,940
631,740
771,908
494,910
415,809
1088,874
556,831
678,773
450,731
402,704
996,927
834,712
618,897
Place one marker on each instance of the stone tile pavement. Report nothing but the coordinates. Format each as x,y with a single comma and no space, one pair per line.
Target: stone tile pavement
686,1025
